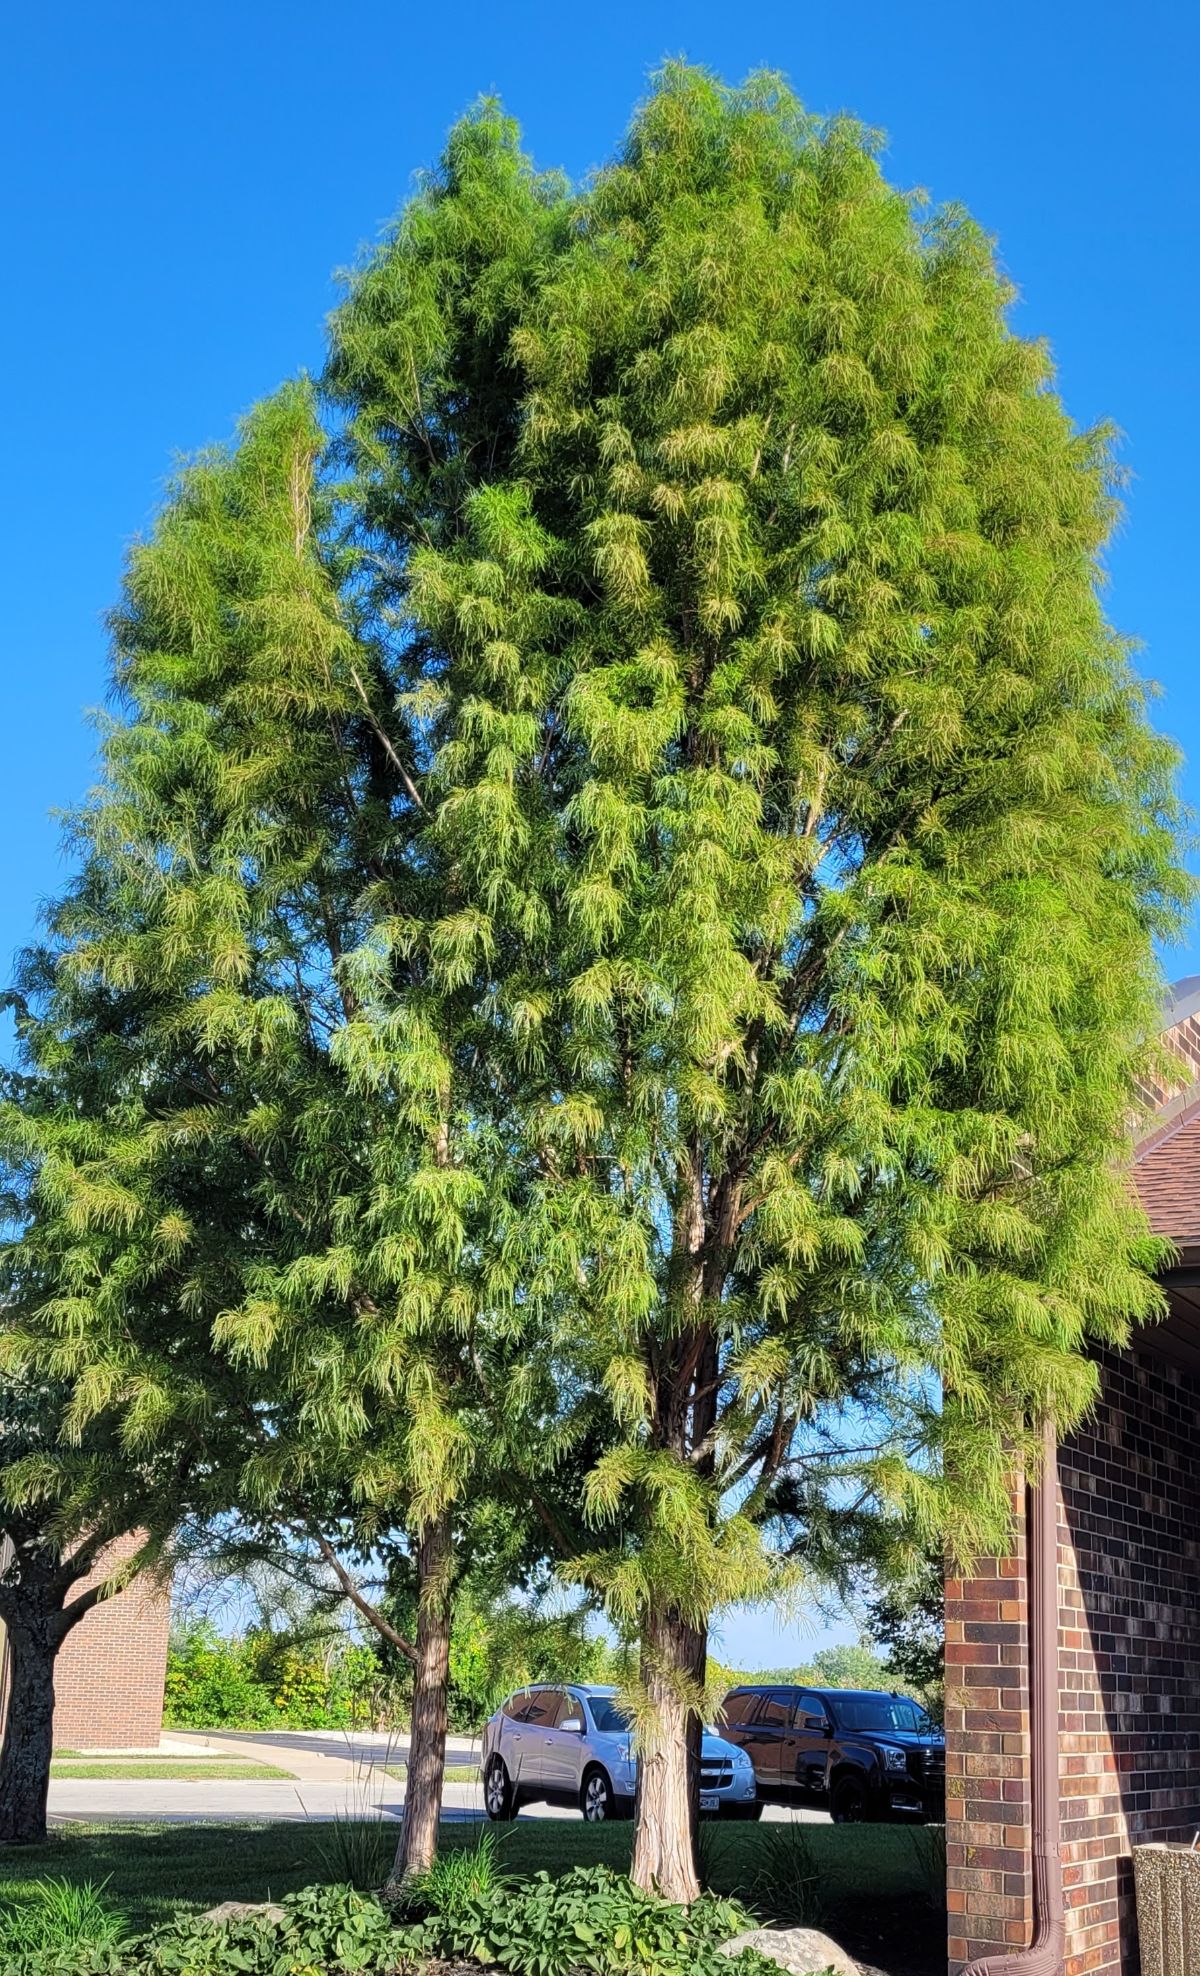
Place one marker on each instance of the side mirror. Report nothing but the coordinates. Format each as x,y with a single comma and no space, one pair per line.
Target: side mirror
572,1726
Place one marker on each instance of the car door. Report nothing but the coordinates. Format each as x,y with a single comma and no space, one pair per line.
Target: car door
537,1716
763,1740
562,1748
510,1734
804,1755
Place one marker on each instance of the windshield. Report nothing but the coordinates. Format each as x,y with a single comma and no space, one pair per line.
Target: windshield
870,1714
608,1718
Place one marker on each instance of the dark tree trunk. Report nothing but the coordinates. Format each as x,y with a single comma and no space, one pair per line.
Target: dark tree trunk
668,1795
427,1744
33,1642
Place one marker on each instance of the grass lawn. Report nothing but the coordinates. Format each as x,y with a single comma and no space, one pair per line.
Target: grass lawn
170,1767
153,1869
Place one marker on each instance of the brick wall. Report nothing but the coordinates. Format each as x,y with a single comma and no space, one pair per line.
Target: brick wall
1129,1680
988,1890
110,1672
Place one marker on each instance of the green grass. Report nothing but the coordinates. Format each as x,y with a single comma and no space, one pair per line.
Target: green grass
152,1870
159,1766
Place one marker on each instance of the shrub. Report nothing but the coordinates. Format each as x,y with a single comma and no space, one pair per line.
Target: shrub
266,1680
591,1919
326,1929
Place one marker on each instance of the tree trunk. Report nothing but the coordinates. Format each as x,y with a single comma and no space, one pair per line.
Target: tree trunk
668,1794
28,1728
427,1743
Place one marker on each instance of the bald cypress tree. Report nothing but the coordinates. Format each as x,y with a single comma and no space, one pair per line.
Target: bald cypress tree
655,851
805,817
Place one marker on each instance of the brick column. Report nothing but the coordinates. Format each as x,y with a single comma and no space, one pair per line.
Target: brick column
989,1890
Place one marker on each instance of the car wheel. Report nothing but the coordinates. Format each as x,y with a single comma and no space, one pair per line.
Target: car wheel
498,1794
850,1803
596,1800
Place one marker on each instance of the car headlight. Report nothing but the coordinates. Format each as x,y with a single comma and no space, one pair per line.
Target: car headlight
895,1759
741,1761
624,1753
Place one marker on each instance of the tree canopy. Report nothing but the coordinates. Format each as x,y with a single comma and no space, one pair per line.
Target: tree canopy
645,851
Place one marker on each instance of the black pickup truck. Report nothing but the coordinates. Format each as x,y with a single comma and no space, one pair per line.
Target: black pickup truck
863,1754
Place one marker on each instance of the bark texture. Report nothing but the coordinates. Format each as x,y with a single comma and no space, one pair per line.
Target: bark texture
665,1857
28,1727
427,1745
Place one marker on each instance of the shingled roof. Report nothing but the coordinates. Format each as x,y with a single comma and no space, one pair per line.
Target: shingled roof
1167,1176
1167,1162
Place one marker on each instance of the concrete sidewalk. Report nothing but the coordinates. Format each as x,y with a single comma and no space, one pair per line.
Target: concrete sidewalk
316,1756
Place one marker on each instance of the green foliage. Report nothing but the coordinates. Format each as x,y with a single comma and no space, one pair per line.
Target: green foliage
907,1617
151,1871
590,1919
357,1846
262,1680
58,1916
506,1645
613,956
458,1882
331,1929
843,1666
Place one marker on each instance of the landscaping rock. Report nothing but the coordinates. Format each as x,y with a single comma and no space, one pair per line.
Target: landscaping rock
801,1951
245,1911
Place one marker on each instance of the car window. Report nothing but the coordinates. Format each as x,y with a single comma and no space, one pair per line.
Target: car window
608,1718
810,1707
570,1709
738,1708
776,1712
543,1707
876,1714
516,1705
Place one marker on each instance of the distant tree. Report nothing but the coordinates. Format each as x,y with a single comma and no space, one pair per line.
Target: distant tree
908,1620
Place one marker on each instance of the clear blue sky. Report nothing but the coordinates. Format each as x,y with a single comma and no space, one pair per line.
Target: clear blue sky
179,182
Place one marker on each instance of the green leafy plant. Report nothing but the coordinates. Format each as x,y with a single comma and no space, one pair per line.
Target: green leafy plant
323,1929
591,1919
59,1914
459,1880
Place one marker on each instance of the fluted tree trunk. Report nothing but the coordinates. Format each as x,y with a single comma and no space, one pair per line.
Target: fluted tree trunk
427,1744
665,1857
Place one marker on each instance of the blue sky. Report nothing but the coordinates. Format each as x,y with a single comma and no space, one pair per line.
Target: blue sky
180,182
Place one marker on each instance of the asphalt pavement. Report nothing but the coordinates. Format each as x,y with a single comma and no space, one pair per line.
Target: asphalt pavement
332,1775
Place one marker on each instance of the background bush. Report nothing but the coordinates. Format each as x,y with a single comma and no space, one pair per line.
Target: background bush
263,1680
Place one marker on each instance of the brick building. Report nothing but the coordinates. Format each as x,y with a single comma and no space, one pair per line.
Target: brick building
108,1687
1073,1665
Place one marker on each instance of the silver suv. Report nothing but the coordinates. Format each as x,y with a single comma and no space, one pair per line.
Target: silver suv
571,1745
